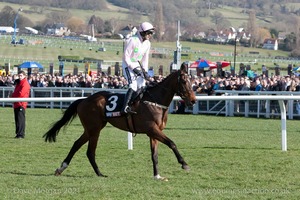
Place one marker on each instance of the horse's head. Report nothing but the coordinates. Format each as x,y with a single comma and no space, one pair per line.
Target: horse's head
185,90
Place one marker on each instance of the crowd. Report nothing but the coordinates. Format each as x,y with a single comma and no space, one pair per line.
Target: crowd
201,84
81,80
243,83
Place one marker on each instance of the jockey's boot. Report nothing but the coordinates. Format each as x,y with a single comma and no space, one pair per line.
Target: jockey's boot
126,107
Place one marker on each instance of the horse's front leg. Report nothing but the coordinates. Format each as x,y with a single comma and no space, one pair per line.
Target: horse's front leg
154,157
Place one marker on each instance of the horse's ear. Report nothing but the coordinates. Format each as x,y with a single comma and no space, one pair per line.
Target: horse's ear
184,67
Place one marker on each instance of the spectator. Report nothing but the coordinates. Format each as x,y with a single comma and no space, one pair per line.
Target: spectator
264,70
58,81
88,82
22,90
2,82
9,81
258,86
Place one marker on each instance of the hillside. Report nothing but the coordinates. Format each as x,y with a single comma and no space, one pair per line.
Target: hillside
236,16
37,17
189,12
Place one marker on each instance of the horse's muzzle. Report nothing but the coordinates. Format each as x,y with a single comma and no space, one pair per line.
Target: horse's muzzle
190,102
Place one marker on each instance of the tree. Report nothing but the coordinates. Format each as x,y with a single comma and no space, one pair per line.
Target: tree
75,24
159,20
24,22
112,25
218,19
201,10
7,16
263,34
290,42
98,24
274,33
252,28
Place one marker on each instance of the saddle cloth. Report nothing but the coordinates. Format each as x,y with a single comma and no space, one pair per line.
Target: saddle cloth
114,104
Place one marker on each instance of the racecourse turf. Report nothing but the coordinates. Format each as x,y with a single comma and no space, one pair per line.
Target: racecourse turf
230,158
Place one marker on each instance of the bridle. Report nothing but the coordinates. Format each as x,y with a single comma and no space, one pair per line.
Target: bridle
181,90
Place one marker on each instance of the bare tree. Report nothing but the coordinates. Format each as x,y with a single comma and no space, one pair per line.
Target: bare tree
159,21
75,24
218,19
252,28
114,25
98,24
7,16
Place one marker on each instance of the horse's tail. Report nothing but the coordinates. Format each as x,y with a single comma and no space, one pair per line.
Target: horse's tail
67,118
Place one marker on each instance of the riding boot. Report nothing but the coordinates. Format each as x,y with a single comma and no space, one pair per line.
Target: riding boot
126,107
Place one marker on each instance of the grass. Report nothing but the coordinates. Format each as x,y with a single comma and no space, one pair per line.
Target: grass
230,158
115,12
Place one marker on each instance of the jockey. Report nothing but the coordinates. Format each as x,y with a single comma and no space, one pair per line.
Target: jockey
135,61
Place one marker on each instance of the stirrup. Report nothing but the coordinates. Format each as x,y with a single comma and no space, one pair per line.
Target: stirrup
128,110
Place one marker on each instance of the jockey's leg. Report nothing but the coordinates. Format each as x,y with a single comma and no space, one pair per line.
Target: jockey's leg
126,107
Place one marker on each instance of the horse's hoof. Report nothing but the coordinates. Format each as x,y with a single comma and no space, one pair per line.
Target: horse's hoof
104,176
57,172
186,167
160,178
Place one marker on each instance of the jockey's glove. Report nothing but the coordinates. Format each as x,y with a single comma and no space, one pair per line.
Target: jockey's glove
137,72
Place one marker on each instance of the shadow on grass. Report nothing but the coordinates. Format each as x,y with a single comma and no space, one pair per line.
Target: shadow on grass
45,175
206,129
245,148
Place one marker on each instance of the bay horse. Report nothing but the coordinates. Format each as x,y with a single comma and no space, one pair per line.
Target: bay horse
151,119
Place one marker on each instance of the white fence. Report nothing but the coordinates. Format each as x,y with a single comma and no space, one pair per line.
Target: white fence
205,105
228,99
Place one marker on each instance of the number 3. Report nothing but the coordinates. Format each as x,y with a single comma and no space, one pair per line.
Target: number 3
112,103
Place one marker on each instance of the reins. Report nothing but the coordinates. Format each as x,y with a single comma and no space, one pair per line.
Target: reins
166,89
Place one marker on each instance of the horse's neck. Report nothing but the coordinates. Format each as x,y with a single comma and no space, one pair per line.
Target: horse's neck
164,92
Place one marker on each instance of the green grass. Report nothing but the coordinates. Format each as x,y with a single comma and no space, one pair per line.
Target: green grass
112,11
230,158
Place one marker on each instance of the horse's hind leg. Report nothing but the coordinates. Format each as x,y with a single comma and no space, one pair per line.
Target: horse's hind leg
160,136
76,146
91,153
167,141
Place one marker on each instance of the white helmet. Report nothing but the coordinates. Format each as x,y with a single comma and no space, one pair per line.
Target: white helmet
146,26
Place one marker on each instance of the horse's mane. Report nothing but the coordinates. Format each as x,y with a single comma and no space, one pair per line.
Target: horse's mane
155,83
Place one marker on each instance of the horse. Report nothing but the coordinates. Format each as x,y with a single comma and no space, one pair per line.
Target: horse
150,118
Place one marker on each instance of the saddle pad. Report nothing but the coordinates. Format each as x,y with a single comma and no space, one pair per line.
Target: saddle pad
114,104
